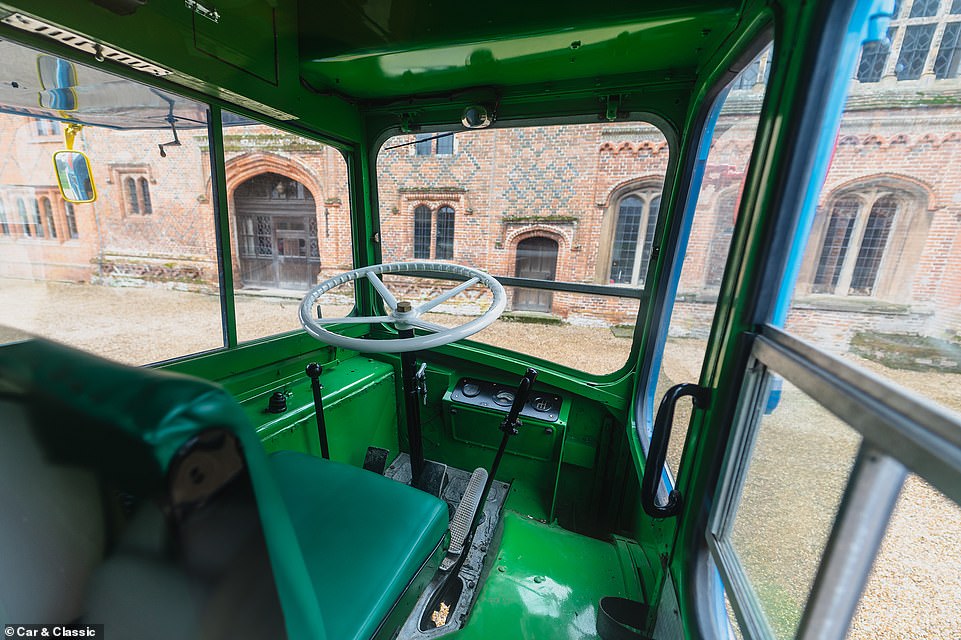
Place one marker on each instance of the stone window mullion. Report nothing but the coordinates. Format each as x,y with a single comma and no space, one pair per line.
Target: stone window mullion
854,245
639,243
928,70
895,52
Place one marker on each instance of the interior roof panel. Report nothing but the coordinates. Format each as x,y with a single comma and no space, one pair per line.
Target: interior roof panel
384,49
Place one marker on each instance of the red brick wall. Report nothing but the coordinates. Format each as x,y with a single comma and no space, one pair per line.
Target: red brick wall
504,185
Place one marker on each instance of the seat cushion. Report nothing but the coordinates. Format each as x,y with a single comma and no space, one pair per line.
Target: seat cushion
363,537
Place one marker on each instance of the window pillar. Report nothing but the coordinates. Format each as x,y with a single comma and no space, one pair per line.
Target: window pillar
854,247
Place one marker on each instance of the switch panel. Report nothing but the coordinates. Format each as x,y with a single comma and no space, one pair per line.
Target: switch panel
500,397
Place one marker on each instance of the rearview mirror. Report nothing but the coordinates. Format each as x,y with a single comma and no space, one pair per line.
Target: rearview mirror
57,79
74,176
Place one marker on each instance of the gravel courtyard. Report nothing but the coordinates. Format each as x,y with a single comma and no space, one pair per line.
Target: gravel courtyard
802,458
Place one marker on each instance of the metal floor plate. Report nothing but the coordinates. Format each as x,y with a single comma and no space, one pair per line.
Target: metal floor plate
457,480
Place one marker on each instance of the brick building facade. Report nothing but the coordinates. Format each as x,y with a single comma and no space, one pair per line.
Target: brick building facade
573,203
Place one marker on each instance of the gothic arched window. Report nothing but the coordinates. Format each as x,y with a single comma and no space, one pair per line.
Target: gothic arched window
856,243
634,236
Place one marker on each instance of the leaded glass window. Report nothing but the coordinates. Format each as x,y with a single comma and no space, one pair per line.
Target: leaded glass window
835,246
873,242
854,244
914,51
145,195
37,220
422,233
265,234
634,237
133,202
874,57
444,243
71,216
22,212
949,53
924,8
48,216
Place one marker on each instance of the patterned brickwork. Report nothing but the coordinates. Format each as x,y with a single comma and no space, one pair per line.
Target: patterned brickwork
504,185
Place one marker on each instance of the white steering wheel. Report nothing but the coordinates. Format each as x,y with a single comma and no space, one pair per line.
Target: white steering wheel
402,314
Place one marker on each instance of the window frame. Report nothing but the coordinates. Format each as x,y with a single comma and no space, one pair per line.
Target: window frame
894,274
938,62
882,412
900,431
598,286
24,219
643,242
70,215
426,233
214,159
135,189
38,230
921,39
434,144
444,232
421,249
47,206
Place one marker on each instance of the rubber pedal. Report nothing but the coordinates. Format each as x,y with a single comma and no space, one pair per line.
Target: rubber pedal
376,460
464,516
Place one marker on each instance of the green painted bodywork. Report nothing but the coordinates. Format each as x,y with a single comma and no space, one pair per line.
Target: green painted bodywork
530,594
352,74
401,49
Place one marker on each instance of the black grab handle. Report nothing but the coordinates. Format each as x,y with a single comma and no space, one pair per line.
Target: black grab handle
657,452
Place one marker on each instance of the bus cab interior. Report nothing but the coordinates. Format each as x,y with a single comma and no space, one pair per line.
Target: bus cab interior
367,320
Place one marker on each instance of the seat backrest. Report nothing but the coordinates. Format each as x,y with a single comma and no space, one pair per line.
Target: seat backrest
126,425
52,536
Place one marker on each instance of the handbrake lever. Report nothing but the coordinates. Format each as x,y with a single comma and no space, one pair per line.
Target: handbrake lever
511,422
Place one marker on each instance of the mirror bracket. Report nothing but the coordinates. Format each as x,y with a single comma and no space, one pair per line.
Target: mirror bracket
70,132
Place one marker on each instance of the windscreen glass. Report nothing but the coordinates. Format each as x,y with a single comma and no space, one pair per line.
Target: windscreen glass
132,275
572,204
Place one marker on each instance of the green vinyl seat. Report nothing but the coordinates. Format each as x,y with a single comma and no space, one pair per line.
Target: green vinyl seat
364,538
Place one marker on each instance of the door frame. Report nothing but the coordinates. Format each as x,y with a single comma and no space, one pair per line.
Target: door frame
288,211
541,294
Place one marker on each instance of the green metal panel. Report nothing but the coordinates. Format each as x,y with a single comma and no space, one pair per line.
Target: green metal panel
219,188
359,408
537,439
410,48
361,413
545,582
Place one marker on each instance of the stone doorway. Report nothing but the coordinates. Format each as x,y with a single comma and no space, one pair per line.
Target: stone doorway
277,233
536,259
